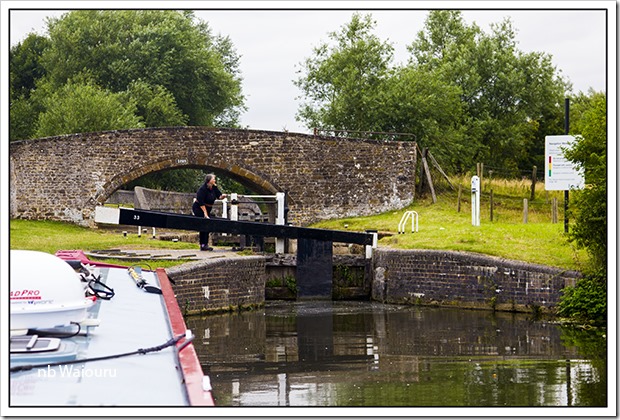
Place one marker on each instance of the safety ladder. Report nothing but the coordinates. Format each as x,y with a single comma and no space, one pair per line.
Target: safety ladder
403,221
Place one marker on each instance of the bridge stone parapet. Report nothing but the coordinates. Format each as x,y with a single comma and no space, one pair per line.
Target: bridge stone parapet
66,177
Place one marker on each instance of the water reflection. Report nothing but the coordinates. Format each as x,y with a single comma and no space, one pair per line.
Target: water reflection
370,354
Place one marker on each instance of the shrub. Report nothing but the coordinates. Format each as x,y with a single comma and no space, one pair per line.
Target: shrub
587,301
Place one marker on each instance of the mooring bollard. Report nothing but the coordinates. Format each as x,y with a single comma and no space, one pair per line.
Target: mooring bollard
375,240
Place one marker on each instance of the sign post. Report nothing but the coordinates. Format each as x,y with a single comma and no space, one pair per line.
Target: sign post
560,173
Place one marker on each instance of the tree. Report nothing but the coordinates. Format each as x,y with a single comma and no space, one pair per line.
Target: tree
467,95
342,83
161,47
173,68
416,102
230,60
155,104
511,99
580,104
25,70
112,69
351,84
590,152
587,301
80,106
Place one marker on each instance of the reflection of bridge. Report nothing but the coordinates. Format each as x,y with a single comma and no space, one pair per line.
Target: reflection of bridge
66,177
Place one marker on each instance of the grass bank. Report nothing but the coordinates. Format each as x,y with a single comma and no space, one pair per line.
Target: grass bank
441,226
49,236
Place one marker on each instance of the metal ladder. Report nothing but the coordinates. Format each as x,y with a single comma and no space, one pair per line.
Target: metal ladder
403,221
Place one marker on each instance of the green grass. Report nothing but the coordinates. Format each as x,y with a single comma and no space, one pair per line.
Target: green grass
440,227
51,236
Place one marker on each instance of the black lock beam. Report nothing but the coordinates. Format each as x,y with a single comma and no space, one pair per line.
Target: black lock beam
134,217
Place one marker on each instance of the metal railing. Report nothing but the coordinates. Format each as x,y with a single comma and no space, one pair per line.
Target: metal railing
387,134
410,214
279,198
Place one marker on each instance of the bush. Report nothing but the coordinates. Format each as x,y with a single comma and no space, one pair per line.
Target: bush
587,301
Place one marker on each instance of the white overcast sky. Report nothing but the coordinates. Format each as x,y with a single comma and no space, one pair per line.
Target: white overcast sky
273,43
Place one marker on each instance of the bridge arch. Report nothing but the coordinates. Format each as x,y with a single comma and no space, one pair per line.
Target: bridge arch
66,177
247,177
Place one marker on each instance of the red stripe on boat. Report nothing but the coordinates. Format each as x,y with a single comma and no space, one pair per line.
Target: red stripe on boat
188,359
79,255
190,365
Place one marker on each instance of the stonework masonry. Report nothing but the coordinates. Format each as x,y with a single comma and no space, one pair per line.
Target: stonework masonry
462,279
66,177
217,285
415,277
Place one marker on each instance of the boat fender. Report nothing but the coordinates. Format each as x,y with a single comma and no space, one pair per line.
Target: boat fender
136,276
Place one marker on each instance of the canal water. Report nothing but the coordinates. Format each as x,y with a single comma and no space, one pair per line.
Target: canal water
365,354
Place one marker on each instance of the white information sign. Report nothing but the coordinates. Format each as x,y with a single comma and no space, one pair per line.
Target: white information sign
560,173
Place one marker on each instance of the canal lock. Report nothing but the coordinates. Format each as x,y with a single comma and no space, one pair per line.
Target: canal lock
351,275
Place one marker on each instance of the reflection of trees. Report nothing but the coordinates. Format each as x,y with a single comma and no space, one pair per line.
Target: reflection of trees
587,380
360,355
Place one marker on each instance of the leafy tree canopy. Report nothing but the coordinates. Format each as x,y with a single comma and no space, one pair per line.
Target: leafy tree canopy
587,301
343,83
512,99
26,66
163,47
80,106
468,95
590,152
160,65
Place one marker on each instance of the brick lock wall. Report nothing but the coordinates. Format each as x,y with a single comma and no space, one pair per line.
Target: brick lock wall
427,277
466,280
66,177
219,285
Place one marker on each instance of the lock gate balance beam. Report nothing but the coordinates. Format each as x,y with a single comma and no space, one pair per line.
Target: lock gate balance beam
314,251
133,217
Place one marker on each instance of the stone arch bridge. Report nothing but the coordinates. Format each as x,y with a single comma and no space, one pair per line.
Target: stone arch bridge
65,177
